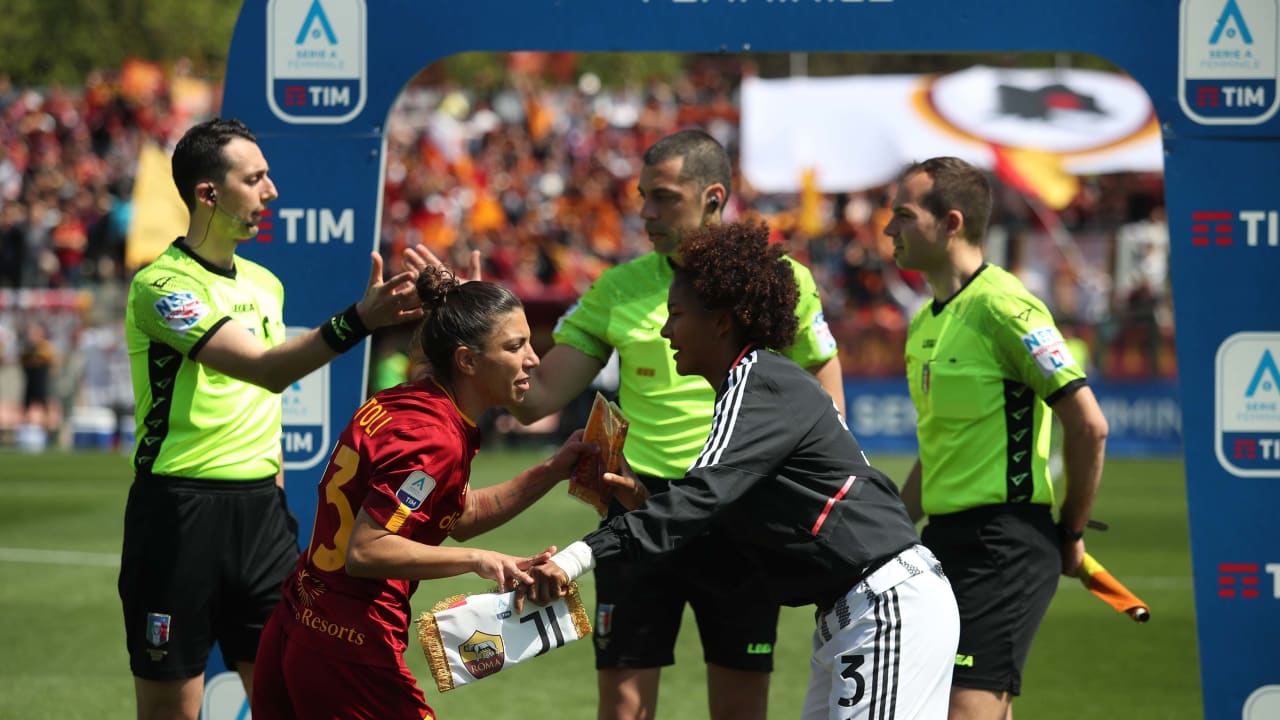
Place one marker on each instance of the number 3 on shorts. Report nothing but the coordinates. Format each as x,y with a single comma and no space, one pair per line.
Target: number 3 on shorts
850,672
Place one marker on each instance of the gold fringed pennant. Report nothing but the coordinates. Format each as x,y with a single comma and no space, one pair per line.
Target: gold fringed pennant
470,637
429,638
581,621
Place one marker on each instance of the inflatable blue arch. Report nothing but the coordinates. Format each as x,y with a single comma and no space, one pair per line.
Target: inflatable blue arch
316,80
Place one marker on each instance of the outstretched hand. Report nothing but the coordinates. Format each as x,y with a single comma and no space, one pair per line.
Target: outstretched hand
420,258
389,303
509,571
566,458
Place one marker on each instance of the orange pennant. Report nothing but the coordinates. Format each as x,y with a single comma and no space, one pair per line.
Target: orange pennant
1103,584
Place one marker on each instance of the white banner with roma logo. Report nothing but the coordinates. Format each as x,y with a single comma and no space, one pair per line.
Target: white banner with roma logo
858,132
470,637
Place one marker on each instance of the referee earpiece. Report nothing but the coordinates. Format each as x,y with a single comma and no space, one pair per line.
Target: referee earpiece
211,195
713,202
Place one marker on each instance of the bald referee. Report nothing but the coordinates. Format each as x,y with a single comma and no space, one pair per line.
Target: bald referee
985,363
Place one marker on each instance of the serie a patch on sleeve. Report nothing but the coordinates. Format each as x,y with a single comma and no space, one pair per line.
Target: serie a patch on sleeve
826,341
181,311
1048,349
415,489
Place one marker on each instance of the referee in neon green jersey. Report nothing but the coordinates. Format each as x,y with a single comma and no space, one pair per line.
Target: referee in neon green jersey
684,182
985,363
207,536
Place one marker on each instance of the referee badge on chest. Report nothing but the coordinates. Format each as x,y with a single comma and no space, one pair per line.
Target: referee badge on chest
924,377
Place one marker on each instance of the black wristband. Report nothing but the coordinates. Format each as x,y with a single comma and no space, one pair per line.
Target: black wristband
344,330
1067,534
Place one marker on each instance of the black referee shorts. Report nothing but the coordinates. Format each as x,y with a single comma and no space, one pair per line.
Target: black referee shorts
1003,564
639,607
202,562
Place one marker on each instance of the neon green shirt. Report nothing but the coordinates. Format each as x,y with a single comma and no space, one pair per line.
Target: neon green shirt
390,370
193,421
981,368
670,414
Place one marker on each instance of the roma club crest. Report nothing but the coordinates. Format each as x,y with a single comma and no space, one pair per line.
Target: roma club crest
482,654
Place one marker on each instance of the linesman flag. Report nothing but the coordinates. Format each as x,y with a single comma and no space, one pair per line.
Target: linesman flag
1103,584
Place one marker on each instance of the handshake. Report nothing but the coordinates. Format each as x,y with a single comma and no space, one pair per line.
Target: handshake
553,577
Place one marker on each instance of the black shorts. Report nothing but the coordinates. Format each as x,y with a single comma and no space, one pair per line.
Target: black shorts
202,562
1003,563
639,607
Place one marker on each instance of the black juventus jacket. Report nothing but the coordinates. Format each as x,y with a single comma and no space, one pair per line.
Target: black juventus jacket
782,478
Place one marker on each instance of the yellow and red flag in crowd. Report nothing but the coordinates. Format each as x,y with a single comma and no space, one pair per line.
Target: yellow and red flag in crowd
1036,173
158,214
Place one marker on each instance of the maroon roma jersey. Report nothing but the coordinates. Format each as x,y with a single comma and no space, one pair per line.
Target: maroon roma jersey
405,458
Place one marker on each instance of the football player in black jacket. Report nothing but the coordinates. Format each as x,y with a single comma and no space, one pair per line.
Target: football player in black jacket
782,477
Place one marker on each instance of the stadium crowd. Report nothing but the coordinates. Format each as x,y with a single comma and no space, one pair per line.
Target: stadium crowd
539,175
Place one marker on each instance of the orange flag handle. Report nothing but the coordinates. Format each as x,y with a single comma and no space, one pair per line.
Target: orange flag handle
1103,584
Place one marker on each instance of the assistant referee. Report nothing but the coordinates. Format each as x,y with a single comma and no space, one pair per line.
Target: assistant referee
985,362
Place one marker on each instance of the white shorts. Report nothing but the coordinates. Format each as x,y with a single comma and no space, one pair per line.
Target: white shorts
886,650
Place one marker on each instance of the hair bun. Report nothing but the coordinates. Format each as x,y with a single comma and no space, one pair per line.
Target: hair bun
434,286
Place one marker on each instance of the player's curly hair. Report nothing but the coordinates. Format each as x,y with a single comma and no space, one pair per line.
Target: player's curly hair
457,314
733,267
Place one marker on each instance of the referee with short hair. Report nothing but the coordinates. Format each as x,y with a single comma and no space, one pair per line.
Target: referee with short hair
207,535
985,363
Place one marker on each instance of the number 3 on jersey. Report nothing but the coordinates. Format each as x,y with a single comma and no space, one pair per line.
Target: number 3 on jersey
852,664
332,557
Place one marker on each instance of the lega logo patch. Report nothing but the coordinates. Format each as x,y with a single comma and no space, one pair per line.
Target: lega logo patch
1048,349
415,489
826,341
181,311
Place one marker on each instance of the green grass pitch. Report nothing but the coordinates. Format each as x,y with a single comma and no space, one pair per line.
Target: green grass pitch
62,647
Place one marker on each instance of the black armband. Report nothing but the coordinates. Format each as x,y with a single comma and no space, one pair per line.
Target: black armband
344,330
1066,534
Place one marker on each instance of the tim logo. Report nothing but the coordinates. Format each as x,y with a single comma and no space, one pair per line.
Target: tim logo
316,60
1231,96
265,226
1220,228
312,226
1246,581
1227,61
1247,418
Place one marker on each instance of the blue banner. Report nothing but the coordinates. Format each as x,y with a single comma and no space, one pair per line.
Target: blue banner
316,80
1144,417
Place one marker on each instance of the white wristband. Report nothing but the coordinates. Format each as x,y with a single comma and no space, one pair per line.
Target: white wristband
575,559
